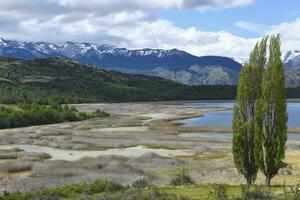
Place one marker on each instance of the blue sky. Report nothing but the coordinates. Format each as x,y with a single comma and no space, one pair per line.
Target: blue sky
201,27
261,12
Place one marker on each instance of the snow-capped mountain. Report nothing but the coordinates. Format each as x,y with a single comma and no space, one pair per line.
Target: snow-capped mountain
171,64
240,60
292,59
72,50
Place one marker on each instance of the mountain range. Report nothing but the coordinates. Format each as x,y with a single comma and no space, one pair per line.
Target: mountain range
173,64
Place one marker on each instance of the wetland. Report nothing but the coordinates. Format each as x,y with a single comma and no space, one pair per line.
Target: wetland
136,141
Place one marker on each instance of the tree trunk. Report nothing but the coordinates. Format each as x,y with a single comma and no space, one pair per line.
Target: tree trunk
249,182
268,181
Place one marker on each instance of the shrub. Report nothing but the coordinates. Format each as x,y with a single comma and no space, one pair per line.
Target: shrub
100,113
254,195
294,193
183,178
220,192
101,186
141,183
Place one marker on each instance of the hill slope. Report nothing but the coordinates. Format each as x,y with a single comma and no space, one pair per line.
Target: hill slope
171,64
57,79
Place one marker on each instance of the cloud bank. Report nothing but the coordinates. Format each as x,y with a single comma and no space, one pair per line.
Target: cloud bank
131,24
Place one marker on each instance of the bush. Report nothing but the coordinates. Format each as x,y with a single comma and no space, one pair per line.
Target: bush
183,178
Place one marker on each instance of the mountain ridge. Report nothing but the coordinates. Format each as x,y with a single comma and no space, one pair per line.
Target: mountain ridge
139,61
173,64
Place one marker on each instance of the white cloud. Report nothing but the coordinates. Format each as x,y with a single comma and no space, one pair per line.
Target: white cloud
289,32
132,24
252,27
121,5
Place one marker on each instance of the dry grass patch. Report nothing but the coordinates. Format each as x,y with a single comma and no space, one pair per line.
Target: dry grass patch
166,146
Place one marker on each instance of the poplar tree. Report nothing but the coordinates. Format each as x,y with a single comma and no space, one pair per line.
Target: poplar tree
271,115
243,125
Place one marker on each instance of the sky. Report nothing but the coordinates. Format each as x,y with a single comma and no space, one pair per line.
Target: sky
201,27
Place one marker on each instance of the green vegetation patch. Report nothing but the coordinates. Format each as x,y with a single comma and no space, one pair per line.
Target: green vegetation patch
33,114
96,190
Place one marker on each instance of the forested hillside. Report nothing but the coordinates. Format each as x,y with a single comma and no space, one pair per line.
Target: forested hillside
63,81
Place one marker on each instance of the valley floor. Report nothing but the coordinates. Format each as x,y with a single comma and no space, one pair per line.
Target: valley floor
137,140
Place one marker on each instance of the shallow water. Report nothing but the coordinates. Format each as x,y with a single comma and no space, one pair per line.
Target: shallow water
224,118
62,154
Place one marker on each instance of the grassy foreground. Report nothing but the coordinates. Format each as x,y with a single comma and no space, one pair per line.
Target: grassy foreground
143,191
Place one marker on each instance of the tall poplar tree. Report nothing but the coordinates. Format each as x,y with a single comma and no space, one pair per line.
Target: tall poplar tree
271,115
243,125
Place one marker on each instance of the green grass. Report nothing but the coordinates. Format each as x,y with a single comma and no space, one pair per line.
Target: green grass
199,191
206,192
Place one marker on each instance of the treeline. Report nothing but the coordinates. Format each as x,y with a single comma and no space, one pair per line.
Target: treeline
12,94
45,81
33,114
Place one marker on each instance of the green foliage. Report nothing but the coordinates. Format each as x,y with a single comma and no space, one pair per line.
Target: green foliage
271,126
99,113
33,114
260,118
97,190
249,90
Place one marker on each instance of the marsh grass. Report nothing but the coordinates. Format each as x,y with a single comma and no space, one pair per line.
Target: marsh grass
8,156
182,178
15,166
168,147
